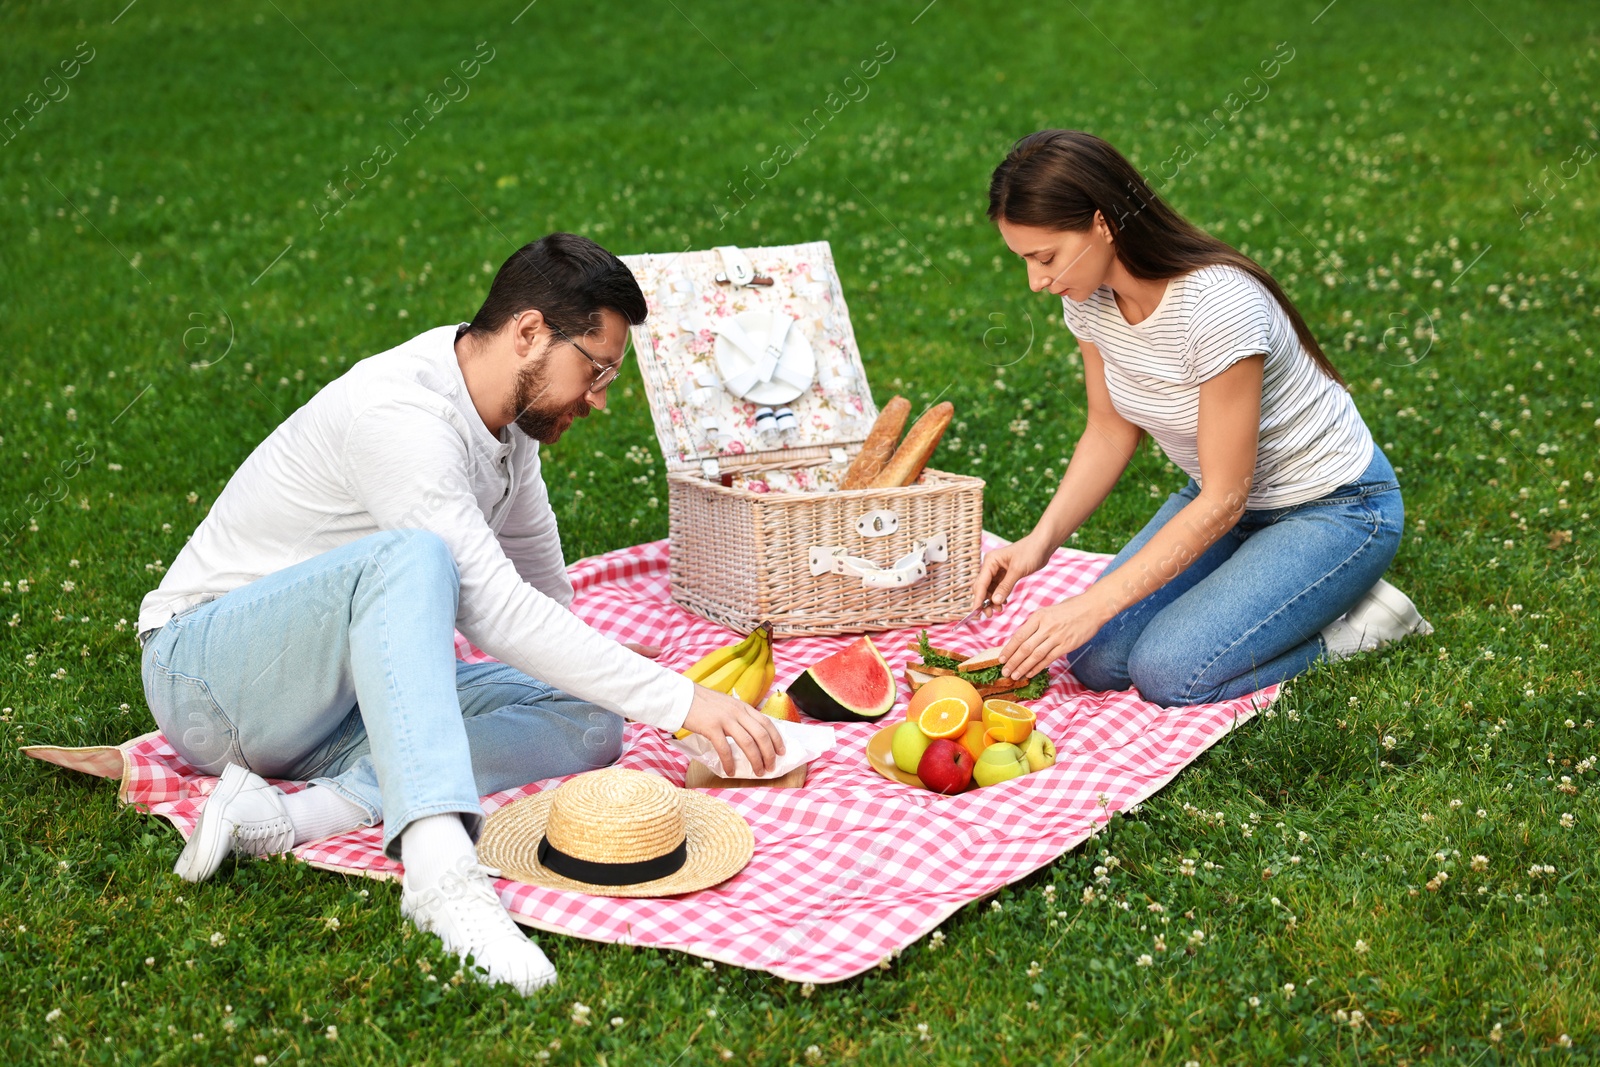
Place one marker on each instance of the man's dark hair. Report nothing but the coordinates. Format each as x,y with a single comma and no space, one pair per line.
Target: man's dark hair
567,277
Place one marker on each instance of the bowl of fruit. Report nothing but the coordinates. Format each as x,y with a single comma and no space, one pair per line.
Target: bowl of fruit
954,739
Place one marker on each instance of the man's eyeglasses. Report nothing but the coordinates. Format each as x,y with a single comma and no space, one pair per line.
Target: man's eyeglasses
604,374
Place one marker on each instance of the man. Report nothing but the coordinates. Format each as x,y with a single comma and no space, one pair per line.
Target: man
305,631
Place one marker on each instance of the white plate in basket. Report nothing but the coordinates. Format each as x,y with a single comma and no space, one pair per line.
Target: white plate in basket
741,354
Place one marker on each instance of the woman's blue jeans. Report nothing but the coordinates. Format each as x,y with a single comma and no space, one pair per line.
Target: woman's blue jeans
1248,612
341,670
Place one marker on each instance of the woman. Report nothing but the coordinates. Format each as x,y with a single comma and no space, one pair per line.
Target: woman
1270,559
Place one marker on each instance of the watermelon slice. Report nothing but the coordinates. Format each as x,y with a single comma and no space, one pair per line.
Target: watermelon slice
852,685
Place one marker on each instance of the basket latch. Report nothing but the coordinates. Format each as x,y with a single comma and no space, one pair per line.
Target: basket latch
880,523
737,268
906,571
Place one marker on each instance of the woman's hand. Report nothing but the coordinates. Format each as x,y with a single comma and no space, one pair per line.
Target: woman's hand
1049,634
1004,567
721,718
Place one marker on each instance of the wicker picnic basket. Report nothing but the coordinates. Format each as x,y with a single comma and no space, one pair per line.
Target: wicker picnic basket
760,401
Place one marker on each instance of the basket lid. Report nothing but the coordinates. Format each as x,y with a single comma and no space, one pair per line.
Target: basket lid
748,356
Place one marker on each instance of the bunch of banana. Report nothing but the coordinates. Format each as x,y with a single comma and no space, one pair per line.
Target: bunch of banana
745,670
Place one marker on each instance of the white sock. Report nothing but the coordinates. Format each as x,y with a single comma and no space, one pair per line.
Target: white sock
432,845
318,812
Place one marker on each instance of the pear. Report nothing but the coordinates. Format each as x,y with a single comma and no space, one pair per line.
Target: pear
779,706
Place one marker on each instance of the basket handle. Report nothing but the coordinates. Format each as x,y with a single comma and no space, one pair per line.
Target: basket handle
906,571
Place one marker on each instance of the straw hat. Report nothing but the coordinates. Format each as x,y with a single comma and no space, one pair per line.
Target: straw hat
618,833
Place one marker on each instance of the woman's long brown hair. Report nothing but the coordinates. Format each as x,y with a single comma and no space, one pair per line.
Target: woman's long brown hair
1058,179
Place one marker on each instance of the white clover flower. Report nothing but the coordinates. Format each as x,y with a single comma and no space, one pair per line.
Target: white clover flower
1361,947
1144,960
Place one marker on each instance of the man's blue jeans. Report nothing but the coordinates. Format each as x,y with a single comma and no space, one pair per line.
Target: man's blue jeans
341,670
1248,612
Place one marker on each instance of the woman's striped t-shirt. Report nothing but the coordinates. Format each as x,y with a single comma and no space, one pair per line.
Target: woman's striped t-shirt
1312,437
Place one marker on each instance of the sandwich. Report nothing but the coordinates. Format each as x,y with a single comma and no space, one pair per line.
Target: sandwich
982,669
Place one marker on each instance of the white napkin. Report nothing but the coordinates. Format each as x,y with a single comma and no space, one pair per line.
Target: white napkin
802,741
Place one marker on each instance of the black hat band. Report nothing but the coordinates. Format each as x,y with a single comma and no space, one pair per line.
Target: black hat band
596,873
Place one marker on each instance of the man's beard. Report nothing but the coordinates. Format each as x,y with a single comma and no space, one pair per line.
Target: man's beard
540,422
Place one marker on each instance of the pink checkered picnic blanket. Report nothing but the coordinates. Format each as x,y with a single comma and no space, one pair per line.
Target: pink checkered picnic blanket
849,869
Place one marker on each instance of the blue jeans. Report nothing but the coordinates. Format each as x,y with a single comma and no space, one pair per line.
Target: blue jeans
1248,612
341,670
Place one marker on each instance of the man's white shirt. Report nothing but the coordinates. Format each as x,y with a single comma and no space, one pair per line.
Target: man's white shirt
396,443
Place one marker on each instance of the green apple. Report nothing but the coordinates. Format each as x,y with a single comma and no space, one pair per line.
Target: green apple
1040,750
909,745
1000,762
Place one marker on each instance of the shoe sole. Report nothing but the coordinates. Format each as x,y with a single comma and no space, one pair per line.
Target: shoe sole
203,842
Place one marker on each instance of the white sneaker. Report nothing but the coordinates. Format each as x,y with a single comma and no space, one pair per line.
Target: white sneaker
468,917
242,814
1383,615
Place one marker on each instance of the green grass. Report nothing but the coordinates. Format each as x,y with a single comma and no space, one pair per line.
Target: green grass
1382,178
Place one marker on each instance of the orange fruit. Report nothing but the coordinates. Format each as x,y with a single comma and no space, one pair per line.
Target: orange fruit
946,686
946,717
975,740
1006,720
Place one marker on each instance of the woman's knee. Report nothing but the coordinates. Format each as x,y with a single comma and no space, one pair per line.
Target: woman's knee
1098,667
1162,674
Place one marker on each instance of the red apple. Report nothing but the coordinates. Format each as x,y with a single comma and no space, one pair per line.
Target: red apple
946,767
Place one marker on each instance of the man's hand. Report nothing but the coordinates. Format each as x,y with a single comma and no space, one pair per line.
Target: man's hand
1049,634
721,718
647,651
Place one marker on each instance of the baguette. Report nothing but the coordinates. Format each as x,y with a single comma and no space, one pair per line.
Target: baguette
908,461
879,445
